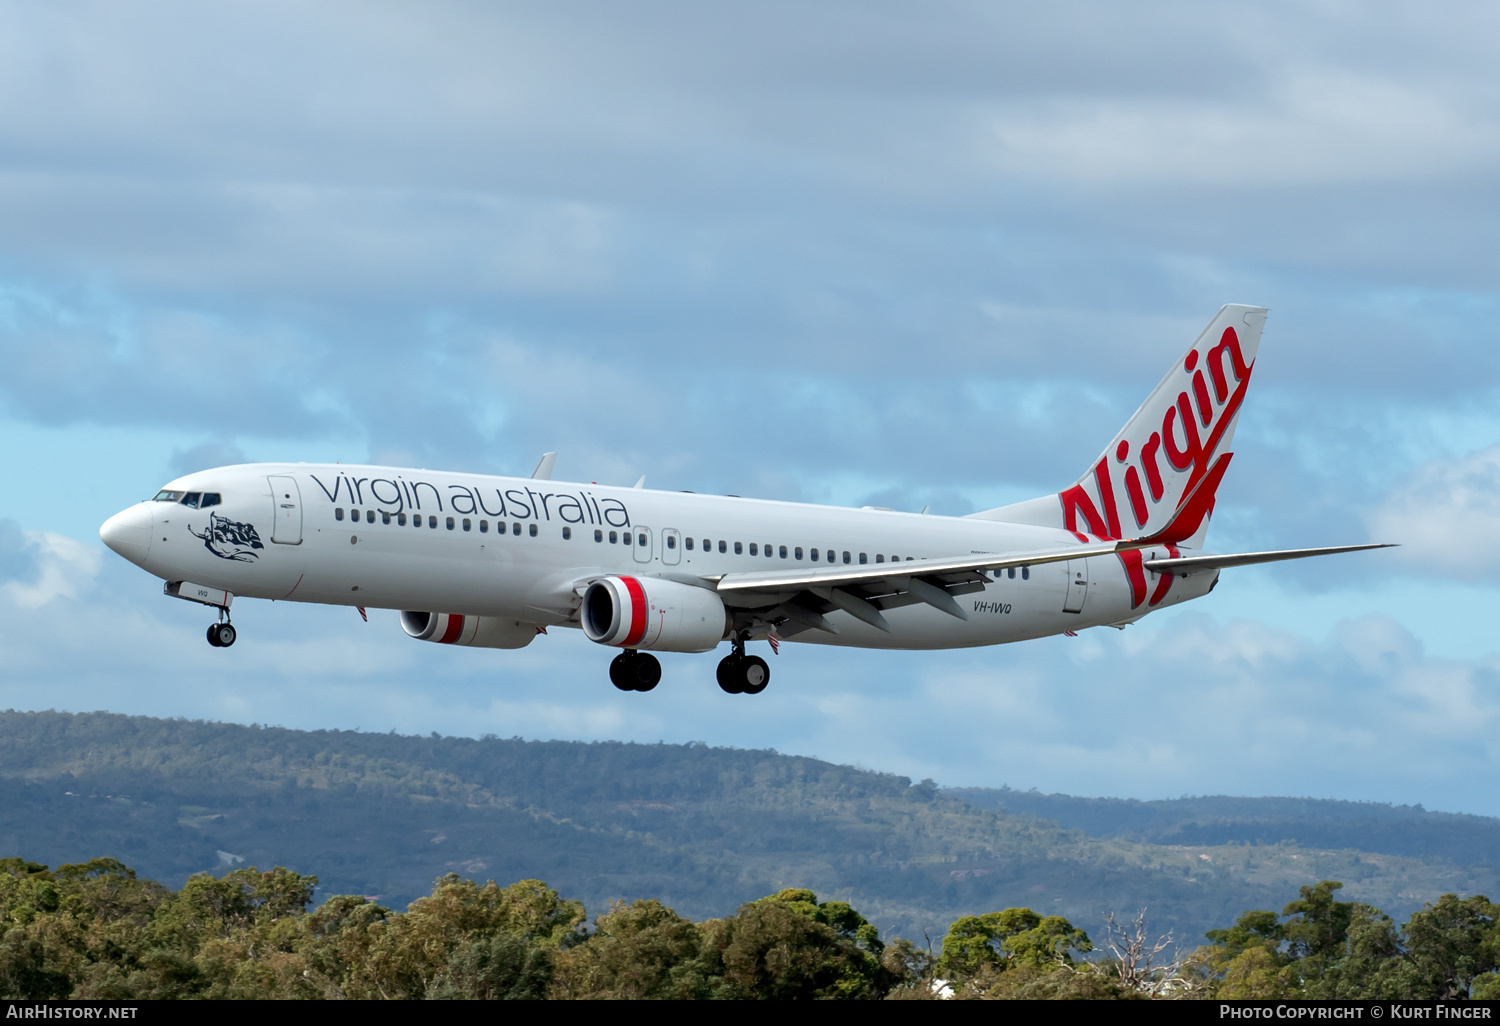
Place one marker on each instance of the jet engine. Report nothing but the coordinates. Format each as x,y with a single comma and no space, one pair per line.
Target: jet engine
475,631
647,612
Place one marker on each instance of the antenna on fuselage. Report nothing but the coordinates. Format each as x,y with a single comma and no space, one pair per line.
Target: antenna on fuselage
543,471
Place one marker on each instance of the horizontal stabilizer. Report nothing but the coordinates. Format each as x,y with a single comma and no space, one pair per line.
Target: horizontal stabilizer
1185,565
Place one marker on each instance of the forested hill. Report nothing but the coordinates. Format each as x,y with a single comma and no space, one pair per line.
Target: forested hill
703,829
1217,819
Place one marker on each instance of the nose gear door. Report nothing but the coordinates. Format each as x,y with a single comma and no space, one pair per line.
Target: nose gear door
286,504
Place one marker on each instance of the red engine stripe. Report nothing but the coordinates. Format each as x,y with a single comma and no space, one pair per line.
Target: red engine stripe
455,628
638,617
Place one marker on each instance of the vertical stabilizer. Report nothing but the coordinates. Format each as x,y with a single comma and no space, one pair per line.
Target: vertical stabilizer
1161,455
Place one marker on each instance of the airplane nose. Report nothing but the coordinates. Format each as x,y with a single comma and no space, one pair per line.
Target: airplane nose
128,532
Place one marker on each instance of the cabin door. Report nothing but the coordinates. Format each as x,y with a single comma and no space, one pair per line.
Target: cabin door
642,546
286,504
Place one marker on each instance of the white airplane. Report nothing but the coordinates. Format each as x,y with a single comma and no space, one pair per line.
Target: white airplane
492,562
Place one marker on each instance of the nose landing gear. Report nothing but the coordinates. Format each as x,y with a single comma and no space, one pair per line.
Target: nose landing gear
741,674
635,671
222,634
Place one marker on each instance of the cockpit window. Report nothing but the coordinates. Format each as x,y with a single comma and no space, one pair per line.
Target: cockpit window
166,495
190,500
209,499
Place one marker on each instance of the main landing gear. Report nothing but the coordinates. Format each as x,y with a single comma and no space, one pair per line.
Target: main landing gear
741,674
222,634
635,671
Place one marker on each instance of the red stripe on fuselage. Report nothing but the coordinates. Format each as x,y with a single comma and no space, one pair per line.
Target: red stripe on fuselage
638,619
455,628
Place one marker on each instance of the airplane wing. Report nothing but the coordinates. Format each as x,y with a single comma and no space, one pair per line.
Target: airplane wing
803,596
1184,565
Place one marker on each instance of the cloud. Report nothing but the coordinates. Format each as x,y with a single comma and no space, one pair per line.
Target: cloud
19,561
1447,517
844,253
39,568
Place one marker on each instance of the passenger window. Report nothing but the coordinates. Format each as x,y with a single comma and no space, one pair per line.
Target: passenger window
738,548
846,556
209,499
515,529
450,522
832,556
752,550
432,522
671,541
878,558
484,527
338,513
354,515
723,547
1011,573
689,543
1025,573
863,559
910,558
640,539
567,534
782,551
400,519
369,516
468,524
598,535
191,499
533,529
613,537
385,518
814,554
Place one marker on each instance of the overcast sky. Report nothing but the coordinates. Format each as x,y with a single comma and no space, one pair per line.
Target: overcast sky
902,254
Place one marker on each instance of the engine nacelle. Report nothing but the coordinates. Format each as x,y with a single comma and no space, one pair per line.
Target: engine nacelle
647,612
474,631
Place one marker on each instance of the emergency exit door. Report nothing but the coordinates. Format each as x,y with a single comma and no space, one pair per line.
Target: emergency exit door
1078,586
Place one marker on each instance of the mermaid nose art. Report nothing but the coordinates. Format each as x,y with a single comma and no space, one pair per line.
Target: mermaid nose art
128,532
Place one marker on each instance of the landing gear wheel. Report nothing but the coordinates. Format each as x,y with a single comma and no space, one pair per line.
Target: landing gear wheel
754,675
227,634
634,671
729,675
213,635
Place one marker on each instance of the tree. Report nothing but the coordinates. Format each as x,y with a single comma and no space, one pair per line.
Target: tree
1451,944
977,950
1137,958
410,953
788,946
640,950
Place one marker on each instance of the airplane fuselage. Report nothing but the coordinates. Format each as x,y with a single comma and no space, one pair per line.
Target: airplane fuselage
517,548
